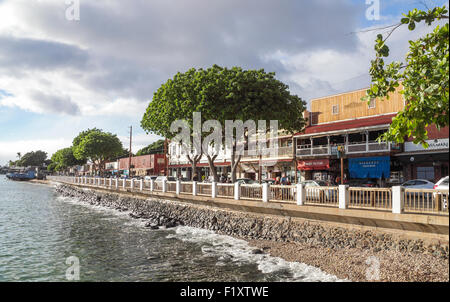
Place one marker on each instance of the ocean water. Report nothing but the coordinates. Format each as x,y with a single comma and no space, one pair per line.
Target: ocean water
40,230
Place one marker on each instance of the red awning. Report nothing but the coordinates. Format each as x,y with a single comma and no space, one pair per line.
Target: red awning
314,164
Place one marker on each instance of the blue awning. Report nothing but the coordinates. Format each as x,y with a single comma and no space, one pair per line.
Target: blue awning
370,167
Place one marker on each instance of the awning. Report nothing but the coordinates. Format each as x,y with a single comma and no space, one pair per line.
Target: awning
314,164
370,167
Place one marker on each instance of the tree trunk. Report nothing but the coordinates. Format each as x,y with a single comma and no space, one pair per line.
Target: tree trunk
212,167
194,160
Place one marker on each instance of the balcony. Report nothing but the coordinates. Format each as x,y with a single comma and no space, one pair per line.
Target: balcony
278,152
350,148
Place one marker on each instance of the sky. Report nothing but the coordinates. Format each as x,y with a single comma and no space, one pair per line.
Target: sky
60,75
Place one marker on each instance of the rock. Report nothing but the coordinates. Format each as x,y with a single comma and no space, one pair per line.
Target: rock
257,251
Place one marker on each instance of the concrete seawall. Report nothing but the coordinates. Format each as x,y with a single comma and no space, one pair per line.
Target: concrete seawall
249,224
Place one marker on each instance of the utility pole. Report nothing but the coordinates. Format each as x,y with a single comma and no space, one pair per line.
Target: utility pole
129,158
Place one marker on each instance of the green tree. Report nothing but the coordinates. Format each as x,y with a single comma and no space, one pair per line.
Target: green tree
64,159
154,148
424,77
51,167
223,94
33,158
97,146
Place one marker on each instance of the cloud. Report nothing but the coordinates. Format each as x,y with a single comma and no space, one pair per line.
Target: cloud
105,68
120,52
9,149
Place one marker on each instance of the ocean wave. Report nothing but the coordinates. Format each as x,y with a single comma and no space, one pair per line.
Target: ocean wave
231,250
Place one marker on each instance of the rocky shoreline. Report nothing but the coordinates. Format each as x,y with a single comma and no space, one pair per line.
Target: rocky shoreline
339,251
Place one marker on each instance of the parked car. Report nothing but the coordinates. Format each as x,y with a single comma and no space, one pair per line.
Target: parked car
167,178
442,184
315,183
270,181
150,177
422,199
418,184
364,183
246,181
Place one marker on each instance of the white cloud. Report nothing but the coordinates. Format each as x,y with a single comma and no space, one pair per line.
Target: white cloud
9,149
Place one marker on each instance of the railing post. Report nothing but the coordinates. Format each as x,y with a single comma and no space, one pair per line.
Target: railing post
178,187
141,185
110,182
265,192
237,191
214,189
132,184
124,184
117,183
344,196
194,188
152,185
301,194
398,200
164,185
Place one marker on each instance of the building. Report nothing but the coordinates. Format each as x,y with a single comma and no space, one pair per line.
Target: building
337,122
344,121
273,165
112,167
180,166
431,163
151,164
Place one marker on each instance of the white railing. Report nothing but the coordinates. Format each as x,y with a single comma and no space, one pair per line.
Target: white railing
378,198
283,193
395,199
426,201
251,192
225,190
351,148
327,196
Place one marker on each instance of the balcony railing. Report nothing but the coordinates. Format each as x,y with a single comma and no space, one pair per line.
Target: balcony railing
351,148
271,153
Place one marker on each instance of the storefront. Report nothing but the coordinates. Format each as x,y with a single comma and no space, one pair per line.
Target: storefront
419,163
316,169
370,167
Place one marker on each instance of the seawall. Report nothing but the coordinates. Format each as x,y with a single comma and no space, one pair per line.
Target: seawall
159,211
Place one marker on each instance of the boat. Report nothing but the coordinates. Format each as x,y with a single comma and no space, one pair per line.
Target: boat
22,176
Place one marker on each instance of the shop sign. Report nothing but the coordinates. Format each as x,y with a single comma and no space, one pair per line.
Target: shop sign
433,144
314,164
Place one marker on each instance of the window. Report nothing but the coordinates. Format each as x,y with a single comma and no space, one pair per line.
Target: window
425,173
335,109
372,103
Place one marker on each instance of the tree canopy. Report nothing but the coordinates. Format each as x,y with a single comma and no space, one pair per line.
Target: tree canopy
223,94
424,77
64,158
33,158
97,146
154,148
